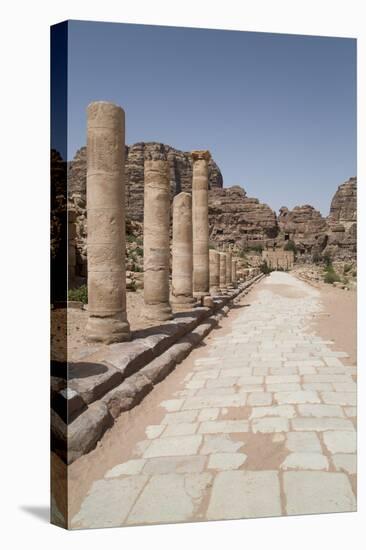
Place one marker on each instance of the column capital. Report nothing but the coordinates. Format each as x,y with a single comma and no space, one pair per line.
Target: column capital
201,155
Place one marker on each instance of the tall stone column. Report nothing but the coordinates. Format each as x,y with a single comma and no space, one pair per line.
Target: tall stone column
228,269
71,254
156,240
106,224
233,273
214,272
201,281
222,278
182,256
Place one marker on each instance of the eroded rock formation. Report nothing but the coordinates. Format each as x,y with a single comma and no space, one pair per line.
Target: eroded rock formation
342,222
234,218
180,170
305,226
237,219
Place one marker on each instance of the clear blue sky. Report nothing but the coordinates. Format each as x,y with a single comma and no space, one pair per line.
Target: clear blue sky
277,112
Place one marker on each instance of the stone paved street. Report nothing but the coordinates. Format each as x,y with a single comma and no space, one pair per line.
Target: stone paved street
264,425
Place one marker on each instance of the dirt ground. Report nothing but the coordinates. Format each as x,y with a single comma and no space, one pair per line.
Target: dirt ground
339,319
76,319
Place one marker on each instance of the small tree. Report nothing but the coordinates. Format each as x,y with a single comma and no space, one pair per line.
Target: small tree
264,267
331,276
327,259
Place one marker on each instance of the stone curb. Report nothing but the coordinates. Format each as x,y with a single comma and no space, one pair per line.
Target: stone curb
127,378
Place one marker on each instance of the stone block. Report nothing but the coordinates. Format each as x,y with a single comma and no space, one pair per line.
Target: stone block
84,432
244,494
318,493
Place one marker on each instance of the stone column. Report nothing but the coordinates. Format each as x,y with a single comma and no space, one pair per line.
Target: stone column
233,273
106,224
182,254
214,272
156,240
228,269
200,223
71,253
222,277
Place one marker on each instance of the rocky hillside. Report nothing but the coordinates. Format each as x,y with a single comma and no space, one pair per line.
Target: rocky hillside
237,219
342,222
305,226
343,208
234,218
180,164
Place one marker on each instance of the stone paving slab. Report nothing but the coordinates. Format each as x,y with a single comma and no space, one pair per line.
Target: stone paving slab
169,498
318,493
263,425
245,494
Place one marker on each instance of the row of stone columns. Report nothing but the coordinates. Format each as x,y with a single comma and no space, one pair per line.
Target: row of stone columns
197,272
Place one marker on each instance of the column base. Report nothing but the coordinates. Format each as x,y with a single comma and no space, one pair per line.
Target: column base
207,301
182,303
107,330
200,294
158,312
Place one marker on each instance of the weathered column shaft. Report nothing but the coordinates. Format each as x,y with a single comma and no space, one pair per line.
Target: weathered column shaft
156,240
228,269
222,271
233,272
106,224
71,253
200,223
182,252
214,272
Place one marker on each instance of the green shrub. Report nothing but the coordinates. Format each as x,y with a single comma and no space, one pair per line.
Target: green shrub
265,268
347,268
139,251
327,259
331,276
290,245
78,294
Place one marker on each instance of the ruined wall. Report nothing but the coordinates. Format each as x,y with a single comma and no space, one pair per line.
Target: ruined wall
279,259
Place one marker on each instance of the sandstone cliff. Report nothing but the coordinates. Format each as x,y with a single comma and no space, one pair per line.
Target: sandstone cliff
305,226
237,219
180,164
342,222
234,218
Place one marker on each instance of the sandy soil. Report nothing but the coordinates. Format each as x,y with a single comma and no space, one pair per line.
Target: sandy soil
75,320
339,319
